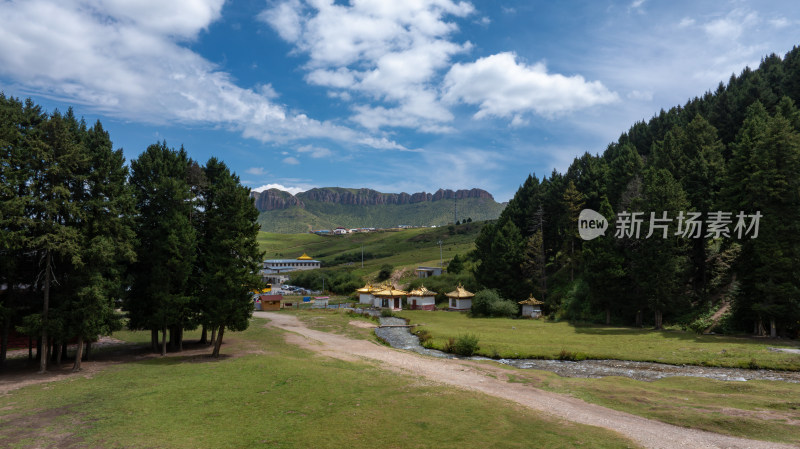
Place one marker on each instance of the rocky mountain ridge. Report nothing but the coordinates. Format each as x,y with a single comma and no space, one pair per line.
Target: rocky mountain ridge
274,199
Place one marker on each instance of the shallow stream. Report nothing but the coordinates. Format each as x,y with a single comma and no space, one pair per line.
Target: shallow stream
402,338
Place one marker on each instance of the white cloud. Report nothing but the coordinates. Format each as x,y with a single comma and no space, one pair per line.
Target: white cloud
640,95
637,3
730,27
314,151
290,160
502,87
391,52
779,23
129,60
686,22
256,171
293,190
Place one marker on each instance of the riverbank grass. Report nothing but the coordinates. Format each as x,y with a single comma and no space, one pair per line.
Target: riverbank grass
264,393
509,338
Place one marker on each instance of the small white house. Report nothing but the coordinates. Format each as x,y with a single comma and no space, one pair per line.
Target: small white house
421,299
426,272
390,298
365,295
460,299
531,308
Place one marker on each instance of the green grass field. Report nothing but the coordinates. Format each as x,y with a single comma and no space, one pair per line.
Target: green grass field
756,409
265,393
407,248
502,337
763,410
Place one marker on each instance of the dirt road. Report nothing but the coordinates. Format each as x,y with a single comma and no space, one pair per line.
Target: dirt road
492,381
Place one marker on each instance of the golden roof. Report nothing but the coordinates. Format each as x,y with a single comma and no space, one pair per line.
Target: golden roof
389,290
421,291
531,301
365,289
305,257
460,293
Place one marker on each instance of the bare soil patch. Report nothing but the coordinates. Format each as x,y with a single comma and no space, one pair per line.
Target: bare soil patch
362,324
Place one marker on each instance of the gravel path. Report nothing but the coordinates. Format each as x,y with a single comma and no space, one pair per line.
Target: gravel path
491,380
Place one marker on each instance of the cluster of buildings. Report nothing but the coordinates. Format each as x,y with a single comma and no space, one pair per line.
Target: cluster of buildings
342,231
388,297
275,271
385,296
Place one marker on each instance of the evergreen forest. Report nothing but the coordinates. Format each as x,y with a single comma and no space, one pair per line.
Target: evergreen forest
728,163
170,241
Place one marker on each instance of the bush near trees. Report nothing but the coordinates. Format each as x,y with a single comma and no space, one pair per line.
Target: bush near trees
81,233
736,149
488,303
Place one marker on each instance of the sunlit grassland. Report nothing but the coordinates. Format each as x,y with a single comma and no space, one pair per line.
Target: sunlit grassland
765,410
502,337
408,248
336,321
266,393
757,409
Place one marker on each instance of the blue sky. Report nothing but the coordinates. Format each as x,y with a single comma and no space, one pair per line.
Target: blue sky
410,95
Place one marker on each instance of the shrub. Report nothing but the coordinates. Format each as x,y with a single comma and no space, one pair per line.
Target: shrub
570,356
385,272
386,313
449,345
465,345
423,335
504,308
483,301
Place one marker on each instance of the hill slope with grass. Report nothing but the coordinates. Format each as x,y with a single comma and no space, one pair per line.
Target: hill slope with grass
404,249
331,207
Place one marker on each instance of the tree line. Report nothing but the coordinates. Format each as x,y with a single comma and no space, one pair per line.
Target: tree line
169,240
733,150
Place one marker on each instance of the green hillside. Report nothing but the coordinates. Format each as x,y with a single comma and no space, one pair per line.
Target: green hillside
322,215
408,248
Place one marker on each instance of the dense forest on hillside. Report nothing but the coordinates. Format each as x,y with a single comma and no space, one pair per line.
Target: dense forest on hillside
734,150
173,241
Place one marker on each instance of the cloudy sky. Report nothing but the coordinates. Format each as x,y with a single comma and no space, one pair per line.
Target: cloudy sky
407,95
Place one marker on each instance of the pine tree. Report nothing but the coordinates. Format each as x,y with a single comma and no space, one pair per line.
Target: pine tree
769,288
161,296
230,258
660,263
573,204
56,178
603,267
106,242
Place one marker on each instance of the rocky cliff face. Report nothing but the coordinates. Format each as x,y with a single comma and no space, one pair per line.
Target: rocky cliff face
273,199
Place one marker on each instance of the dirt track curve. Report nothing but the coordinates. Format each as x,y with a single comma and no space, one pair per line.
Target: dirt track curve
474,376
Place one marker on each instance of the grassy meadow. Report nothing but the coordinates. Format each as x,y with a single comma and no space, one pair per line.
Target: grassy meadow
507,338
407,248
757,409
266,393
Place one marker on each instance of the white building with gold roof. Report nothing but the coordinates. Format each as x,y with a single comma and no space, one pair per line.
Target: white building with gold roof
389,297
531,307
273,269
421,299
365,294
460,299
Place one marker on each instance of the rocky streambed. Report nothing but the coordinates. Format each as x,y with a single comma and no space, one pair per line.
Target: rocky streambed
402,338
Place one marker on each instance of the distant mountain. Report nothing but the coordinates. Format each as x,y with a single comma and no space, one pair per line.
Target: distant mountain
330,207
